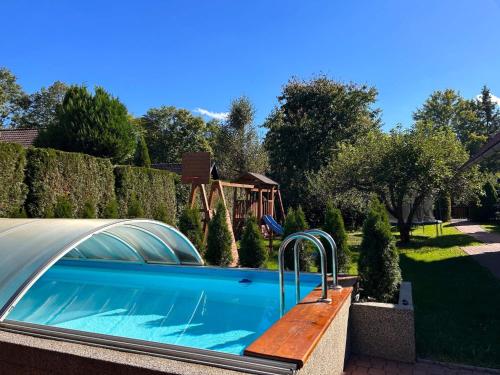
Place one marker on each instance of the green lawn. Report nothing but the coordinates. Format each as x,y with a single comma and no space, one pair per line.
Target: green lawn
457,302
491,227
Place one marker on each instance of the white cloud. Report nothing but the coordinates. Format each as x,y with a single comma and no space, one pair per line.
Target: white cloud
215,115
494,99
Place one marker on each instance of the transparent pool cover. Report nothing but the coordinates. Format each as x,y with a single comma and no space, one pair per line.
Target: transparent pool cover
29,247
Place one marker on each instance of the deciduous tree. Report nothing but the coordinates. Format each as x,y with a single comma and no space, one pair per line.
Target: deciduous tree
12,97
311,120
171,132
403,168
237,147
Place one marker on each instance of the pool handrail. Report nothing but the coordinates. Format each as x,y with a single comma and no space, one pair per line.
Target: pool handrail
281,265
333,246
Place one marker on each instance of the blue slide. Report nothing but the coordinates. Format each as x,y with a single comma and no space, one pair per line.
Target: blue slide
273,225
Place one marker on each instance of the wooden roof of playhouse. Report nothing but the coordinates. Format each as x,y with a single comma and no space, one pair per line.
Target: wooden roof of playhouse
257,179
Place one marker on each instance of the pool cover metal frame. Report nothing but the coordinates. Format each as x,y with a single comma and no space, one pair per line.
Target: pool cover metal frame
29,247
243,363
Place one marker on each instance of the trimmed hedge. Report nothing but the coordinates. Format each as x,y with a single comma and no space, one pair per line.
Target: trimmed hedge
53,176
153,189
12,187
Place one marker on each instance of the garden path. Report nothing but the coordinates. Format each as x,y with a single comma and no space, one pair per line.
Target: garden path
369,365
488,254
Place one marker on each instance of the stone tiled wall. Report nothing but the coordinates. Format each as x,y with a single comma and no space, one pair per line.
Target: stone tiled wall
384,330
330,354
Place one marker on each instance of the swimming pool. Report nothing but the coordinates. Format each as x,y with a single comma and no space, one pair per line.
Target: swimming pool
199,307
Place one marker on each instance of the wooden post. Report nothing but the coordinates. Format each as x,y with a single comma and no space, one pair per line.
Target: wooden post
271,202
217,188
260,207
281,204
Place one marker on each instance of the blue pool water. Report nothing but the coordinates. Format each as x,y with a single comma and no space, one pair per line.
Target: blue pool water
208,308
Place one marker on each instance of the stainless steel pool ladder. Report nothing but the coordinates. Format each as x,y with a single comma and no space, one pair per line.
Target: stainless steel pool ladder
333,247
300,236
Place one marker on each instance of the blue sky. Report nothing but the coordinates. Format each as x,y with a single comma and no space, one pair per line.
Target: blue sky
201,54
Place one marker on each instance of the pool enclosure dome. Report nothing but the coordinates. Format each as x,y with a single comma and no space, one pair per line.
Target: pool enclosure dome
29,247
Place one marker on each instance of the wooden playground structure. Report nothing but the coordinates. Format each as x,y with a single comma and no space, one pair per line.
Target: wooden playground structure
252,193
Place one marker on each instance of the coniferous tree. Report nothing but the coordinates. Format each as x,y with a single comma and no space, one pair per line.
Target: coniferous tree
141,158
97,125
63,208
219,239
89,211
295,221
190,225
135,209
378,264
334,225
111,210
252,251
488,204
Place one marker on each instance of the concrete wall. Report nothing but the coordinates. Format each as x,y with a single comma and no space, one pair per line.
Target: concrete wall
23,355
330,354
384,330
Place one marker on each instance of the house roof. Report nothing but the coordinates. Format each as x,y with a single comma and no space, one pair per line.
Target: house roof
24,137
256,179
488,150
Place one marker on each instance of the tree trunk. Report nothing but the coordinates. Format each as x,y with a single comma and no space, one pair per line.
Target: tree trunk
404,232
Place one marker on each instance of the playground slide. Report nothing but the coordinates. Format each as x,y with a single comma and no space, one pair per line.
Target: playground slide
273,225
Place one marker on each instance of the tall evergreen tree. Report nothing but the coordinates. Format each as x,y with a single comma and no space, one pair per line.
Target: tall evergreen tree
295,221
190,224
141,158
334,225
96,124
219,239
378,263
488,112
252,252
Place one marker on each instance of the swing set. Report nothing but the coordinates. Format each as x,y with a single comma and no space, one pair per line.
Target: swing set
252,193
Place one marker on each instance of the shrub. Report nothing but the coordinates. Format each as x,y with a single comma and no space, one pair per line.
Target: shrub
379,270
63,208
111,210
141,158
152,188
12,188
161,214
80,178
219,239
190,224
252,252
295,221
488,203
334,226
89,211
134,207
97,125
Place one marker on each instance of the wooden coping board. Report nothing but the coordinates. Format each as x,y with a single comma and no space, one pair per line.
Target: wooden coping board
294,337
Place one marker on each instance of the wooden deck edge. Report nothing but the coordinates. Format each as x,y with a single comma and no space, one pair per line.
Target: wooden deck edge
294,337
